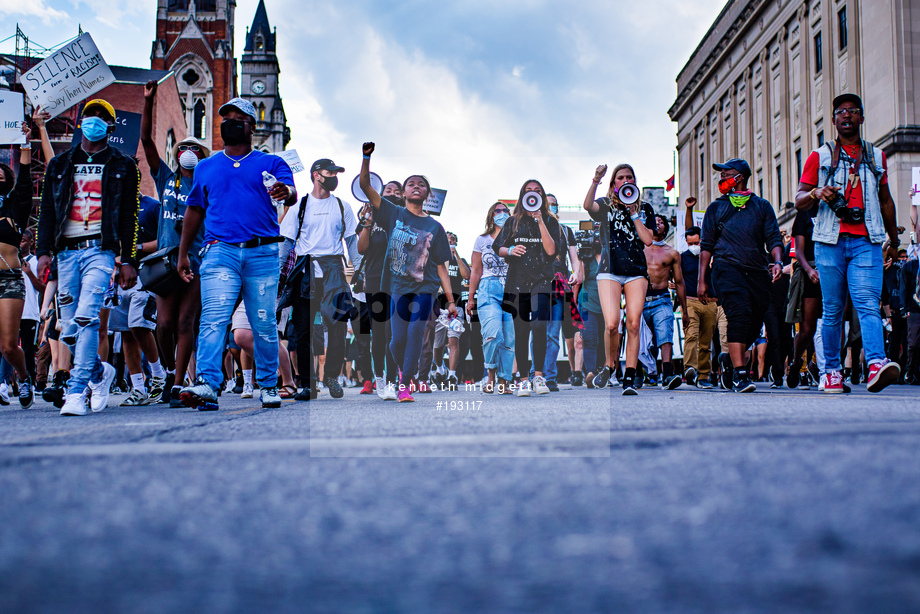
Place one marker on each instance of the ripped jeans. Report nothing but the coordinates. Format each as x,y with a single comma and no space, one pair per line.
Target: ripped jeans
83,277
226,272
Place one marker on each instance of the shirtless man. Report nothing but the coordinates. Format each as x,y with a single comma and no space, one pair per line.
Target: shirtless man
663,266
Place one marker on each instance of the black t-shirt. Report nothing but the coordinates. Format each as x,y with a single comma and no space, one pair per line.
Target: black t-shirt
560,264
456,280
376,255
690,268
804,225
625,251
535,266
748,234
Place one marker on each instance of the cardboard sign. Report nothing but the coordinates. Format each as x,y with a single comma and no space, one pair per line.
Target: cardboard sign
127,133
915,183
68,76
290,156
11,115
435,201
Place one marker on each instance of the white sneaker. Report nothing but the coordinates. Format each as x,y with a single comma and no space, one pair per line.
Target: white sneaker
381,385
390,394
821,381
247,391
100,390
229,386
74,405
524,388
320,385
539,385
4,394
138,397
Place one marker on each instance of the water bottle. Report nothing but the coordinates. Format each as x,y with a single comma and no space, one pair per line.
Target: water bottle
268,180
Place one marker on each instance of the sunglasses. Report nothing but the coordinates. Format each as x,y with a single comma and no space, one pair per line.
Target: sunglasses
848,112
502,210
194,148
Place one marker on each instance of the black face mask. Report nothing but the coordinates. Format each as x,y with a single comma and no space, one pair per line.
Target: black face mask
330,183
233,132
6,186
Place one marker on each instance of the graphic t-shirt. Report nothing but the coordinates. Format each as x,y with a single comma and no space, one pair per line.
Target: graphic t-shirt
493,265
624,251
321,233
85,217
237,206
535,266
148,219
30,310
172,209
457,288
852,193
417,245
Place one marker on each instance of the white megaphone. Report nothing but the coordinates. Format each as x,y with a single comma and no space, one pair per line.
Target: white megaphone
531,201
628,193
358,193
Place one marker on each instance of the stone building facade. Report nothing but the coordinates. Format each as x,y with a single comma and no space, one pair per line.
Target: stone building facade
760,84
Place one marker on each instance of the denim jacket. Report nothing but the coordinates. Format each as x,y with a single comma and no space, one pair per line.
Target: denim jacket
827,224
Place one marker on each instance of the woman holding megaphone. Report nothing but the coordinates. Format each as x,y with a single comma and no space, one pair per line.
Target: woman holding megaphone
625,232
529,242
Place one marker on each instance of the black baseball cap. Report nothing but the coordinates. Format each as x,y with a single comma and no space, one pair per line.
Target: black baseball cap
839,100
325,164
735,164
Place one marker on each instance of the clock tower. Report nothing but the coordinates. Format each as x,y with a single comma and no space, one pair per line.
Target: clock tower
259,84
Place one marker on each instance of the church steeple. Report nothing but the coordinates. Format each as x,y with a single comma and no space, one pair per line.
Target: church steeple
259,37
259,73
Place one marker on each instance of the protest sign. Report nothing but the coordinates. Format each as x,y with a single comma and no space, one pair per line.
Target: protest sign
11,114
435,201
68,76
680,241
127,133
915,182
290,156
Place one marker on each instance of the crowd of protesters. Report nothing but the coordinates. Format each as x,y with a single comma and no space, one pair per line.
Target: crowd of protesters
250,287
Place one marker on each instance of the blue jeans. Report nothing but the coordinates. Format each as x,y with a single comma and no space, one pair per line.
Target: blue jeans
497,327
553,329
659,316
853,264
83,277
408,318
226,272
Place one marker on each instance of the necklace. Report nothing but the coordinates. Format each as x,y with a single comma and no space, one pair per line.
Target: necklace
89,156
236,163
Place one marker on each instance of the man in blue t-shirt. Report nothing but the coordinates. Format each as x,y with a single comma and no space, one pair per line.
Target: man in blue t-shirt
240,256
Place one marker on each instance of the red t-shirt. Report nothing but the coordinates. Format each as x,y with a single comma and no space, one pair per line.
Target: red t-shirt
852,192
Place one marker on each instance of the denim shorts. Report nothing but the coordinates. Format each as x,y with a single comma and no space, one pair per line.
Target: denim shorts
12,284
620,279
659,315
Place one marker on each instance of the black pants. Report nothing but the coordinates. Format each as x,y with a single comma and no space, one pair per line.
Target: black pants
378,306
897,340
532,307
330,297
361,327
913,345
779,333
744,296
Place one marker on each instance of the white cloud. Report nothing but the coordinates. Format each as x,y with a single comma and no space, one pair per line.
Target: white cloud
34,8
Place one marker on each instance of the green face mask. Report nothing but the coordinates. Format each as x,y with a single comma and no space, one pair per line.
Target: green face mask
739,200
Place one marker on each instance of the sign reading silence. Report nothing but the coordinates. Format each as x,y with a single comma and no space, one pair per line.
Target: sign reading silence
127,133
11,113
68,76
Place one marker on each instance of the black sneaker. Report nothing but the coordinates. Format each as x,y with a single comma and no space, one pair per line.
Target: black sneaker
577,379
690,376
601,379
174,401
672,382
725,364
629,389
335,390
54,393
777,383
743,384
704,384
167,388
26,394
553,386
306,394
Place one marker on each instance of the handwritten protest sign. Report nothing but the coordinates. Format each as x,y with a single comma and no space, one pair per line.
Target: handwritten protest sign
11,118
435,201
68,76
127,133
290,156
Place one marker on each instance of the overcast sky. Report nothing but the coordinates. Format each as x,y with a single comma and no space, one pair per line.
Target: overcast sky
477,95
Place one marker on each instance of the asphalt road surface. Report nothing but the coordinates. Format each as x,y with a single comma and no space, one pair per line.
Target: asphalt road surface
576,501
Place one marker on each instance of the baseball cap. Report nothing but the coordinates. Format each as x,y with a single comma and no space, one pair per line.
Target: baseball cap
240,105
99,102
839,100
735,164
325,164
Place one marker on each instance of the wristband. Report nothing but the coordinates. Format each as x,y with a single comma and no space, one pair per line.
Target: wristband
596,181
634,216
779,263
367,157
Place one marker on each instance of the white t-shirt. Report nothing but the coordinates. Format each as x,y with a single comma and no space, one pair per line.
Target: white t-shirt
493,265
321,234
30,309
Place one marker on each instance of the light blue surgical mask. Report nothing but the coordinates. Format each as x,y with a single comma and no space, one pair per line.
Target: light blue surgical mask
94,128
554,209
500,219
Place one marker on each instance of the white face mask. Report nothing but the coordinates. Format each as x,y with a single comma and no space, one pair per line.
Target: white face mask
694,249
188,159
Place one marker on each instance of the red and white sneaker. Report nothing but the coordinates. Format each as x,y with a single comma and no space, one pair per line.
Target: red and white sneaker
833,382
882,374
404,397
368,388
423,386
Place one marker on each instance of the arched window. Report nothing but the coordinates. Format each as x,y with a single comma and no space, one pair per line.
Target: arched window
260,44
261,111
200,128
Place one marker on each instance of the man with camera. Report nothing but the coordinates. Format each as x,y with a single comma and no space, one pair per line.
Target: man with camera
846,183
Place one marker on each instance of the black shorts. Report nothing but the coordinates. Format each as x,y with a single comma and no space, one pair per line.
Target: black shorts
744,295
812,290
